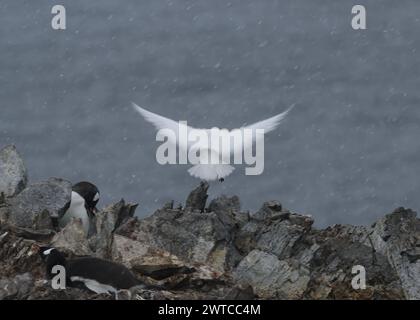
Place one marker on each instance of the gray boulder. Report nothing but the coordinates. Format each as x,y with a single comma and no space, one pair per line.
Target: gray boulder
13,175
38,203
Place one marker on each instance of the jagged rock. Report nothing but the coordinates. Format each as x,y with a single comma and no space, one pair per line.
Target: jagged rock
229,208
17,287
225,203
123,212
128,228
397,236
205,238
270,210
169,205
72,239
323,259
108,221
351,233
13,175
196,201
331,267
280,236
271,277
246,238
38,203
18,255
273,231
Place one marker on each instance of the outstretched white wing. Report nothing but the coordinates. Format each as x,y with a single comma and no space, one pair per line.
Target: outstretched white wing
161,122
270,124
158,121
267,125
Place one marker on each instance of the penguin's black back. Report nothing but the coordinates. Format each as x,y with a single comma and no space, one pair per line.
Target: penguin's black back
102,271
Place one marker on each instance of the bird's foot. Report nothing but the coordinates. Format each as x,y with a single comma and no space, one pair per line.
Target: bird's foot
221,179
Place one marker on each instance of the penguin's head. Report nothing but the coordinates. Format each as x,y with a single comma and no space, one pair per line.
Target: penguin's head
51,257
90,193
48,252
44,252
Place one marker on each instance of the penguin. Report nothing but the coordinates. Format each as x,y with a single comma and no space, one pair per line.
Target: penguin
84,198
90,273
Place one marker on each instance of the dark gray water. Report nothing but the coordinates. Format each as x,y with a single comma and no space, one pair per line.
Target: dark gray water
348,153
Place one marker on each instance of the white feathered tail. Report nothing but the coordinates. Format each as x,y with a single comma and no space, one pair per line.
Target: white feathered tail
211,172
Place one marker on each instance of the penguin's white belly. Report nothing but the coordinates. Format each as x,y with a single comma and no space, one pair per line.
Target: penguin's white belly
77,210
95,286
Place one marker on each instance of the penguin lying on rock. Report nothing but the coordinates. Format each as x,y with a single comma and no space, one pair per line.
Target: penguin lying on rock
95,274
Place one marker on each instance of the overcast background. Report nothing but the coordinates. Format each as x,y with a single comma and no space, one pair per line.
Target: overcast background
348,153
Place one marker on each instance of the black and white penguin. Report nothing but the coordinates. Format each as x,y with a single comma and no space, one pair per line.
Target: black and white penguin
84,198
95,274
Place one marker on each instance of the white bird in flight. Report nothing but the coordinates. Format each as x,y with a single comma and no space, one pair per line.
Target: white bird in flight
209,171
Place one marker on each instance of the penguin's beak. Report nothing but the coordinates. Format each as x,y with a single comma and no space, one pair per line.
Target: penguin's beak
91,206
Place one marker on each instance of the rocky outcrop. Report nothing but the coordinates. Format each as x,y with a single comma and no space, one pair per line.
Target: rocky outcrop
212,250
106,222
38,203
196,201
200,237
397,237
13,175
